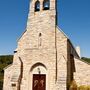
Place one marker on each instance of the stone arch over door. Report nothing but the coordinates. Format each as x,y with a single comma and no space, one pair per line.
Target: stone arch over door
38,69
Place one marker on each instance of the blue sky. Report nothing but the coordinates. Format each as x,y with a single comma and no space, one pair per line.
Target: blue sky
73,19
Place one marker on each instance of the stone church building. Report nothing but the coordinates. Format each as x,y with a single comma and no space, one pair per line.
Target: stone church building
45,58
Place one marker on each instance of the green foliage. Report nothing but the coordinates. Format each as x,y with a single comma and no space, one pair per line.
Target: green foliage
83,87
73,85
86,59
1,84
5,60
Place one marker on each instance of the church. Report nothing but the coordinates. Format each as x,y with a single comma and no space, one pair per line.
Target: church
45,58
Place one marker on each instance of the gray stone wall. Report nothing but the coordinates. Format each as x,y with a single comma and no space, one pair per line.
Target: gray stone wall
82,74
7,77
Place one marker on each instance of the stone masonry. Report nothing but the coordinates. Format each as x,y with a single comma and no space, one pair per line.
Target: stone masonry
43,49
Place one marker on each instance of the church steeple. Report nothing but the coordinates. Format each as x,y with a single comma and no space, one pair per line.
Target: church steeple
40,6
42,19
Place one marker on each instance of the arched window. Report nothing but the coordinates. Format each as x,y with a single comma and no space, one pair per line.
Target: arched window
40,39
37,6
46,4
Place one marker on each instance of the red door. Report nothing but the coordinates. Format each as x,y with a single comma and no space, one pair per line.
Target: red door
39,82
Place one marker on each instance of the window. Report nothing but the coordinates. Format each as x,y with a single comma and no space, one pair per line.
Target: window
37,6
46,5
40,39
13,85
40,34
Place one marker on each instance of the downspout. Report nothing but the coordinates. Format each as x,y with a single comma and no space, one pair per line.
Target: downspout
56,37
21,73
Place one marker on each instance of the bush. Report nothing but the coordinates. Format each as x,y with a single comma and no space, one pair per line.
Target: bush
1,84
73,85
86,59
83,87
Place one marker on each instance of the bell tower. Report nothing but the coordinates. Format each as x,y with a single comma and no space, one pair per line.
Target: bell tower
41,6
41,23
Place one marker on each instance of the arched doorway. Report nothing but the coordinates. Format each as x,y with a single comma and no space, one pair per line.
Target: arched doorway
39,76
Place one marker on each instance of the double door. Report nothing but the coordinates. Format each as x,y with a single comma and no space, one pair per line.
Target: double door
39,82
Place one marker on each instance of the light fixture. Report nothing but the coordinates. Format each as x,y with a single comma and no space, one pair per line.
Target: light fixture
39,70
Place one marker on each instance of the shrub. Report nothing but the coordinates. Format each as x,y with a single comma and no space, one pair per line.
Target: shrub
1,84
84,87
73,85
